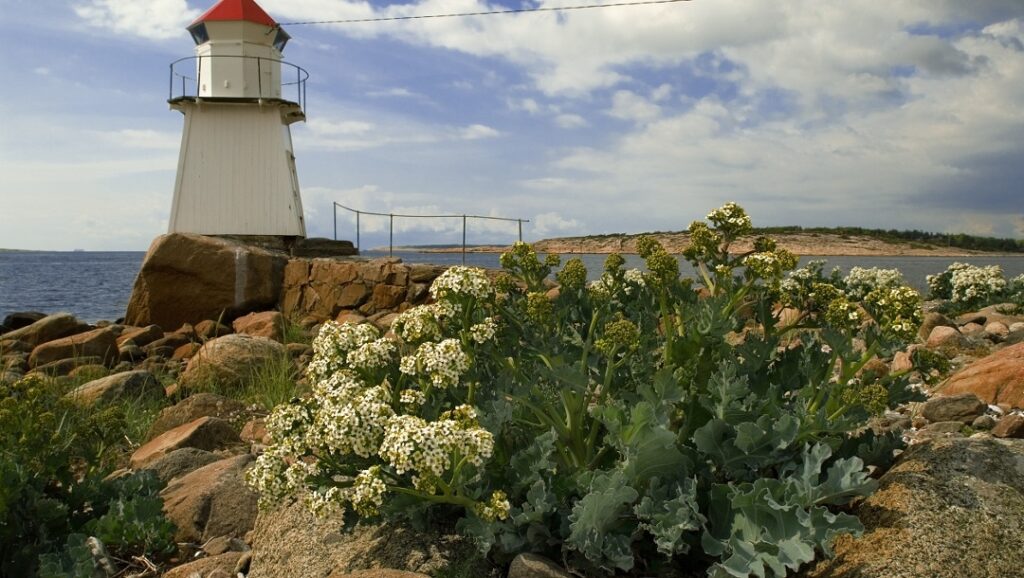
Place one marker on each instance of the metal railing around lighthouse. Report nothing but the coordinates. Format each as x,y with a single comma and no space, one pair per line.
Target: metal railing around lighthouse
391,224
191,85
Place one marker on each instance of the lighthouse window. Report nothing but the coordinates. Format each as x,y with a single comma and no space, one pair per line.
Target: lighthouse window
281,39
199,34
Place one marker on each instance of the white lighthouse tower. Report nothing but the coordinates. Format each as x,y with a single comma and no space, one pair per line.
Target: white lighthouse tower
236,169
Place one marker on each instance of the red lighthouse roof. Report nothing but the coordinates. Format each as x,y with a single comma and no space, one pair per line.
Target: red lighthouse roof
246,10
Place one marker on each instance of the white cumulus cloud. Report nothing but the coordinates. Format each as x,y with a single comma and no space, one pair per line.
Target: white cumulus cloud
155,19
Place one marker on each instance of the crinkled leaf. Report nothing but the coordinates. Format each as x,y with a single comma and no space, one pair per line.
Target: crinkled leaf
775,524
647,447
745,448
596,524
75,561
530,463
669,513
726,394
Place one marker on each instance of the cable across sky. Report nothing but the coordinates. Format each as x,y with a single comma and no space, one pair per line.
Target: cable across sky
485,13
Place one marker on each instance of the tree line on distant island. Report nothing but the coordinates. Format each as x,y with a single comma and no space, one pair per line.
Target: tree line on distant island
924,239
958,240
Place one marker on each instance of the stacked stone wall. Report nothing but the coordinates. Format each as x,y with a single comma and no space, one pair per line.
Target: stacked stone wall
322,289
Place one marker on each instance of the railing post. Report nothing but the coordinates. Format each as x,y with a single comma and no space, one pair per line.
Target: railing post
170,84
358,244
259,74
199,78
391,235
520,230
463,239
335,205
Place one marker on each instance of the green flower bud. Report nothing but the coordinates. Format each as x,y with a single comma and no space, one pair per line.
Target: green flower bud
573,275
614,263
538,307
647,246
619,335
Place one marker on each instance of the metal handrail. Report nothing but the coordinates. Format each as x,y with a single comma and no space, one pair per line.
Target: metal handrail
391,224
301,76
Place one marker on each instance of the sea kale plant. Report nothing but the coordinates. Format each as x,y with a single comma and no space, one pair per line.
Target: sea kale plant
633,423
969,287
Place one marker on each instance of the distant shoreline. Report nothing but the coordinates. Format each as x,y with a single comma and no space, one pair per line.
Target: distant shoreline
809,244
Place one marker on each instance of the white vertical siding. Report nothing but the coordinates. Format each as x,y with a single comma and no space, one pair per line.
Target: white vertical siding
236,173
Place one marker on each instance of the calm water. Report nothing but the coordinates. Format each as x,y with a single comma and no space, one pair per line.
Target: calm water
97,285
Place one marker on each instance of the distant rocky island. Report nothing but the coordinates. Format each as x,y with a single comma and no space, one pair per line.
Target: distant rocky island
844,241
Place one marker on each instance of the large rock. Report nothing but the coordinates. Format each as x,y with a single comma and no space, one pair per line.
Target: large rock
128,384
21,319
962,407
96,343
212,501
932,320
187,278
946,337
230,361
321,248
379,573
46,329
220,566
205,433
1009,426
1006,313
996,379
951,508
289,537
534,566
141,336
180,462
194,407
269,324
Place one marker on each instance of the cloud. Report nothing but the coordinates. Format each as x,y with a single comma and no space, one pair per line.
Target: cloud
398,92
570,121
547,224
628,105
153,19
478,131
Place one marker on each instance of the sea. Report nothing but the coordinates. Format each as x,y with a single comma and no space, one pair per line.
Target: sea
94,285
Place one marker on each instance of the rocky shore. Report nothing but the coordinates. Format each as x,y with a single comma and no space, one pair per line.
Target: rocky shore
817,244
951,506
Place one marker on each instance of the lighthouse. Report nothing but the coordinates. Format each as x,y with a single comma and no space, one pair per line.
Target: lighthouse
236,169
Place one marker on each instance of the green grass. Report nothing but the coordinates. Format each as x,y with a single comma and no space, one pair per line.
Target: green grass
272,384
294,333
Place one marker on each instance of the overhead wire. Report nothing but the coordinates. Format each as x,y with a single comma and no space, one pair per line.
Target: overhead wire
484,13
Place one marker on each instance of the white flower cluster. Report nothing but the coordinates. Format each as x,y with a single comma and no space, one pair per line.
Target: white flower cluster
332,344
635,277
412,398
605,286
462,281
412,444
267,477
288,424
496,508
484,331
372,355
442,363
422,323
732,216
765,264
352,422
861,281
368,491
973,284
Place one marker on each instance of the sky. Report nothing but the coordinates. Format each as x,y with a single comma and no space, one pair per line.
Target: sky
905,114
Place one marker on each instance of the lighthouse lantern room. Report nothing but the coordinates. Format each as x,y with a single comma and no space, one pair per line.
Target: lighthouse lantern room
236,168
